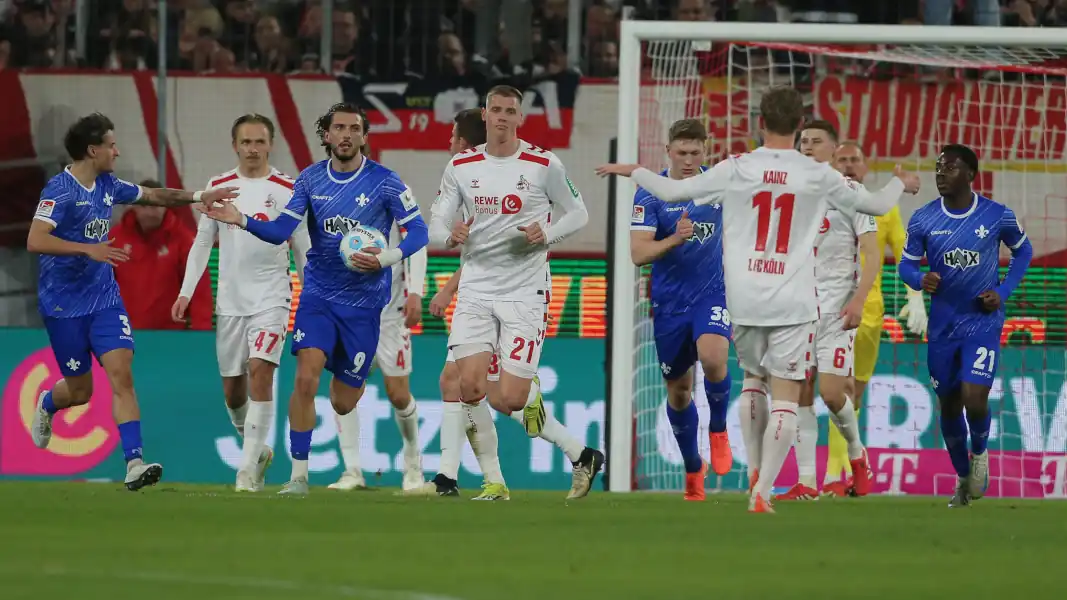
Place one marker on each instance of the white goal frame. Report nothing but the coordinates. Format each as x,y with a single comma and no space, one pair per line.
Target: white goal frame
632,34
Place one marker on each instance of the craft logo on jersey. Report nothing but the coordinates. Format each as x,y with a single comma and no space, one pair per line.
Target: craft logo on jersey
339,225
523,185
97,229
959,258
702,232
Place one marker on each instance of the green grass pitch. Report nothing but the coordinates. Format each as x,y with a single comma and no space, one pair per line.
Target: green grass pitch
89,541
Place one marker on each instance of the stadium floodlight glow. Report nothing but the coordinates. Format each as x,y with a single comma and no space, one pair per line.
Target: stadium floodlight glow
1011,106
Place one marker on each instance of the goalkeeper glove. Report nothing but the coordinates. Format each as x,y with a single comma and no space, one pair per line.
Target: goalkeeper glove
915,312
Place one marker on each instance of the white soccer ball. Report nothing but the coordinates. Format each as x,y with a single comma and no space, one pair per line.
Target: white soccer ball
357,239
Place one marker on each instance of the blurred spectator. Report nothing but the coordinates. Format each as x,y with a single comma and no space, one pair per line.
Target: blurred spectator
33,39
272,49
605,60
150,281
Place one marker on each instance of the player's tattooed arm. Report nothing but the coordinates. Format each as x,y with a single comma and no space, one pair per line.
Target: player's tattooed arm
169,197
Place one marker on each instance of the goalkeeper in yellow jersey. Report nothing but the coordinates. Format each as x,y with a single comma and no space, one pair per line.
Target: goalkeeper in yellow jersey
850,161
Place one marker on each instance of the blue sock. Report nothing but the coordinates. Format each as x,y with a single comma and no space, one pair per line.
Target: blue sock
954,430
979,427
130,434
299,444
685,423
49,404
718,393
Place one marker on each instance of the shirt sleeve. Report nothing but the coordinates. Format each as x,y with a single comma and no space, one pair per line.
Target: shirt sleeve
645,217
1011,232
561,192
850,196
53,205
402,205
298,203
444,207
863,223
915,239
705,188
125,192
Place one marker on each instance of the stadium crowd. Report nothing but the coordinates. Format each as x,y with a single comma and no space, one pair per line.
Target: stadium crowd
416,38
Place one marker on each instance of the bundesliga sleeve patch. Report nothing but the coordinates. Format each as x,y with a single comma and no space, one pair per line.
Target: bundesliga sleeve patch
408,199
638,215
45,208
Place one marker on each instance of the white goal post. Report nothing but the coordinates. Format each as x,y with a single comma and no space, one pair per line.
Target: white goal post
1022,52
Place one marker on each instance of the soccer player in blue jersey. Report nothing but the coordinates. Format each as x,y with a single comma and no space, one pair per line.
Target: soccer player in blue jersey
683,243
76,291
960,234
338,320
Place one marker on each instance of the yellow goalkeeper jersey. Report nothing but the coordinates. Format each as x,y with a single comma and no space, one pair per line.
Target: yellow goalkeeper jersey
890,231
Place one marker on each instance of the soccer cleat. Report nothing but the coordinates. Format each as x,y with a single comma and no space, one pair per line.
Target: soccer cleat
533,416
589,464
350,480
722,456
493,491
753,479
245,482
861,476
799,491
41,427
295,487
838,489
140,474
758,505
266,457
979,479
413,478
694,484
962,497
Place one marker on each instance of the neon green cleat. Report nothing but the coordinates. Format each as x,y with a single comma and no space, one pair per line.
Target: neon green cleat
493,491
533,415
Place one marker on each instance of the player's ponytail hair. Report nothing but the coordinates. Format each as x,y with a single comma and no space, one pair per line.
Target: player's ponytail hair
323,124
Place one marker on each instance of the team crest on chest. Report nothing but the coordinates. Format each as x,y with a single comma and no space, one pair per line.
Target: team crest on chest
363,200
108,199
981,232
523,185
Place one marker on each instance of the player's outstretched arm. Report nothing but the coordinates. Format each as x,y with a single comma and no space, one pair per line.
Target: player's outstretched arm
170,197
845,194
704,188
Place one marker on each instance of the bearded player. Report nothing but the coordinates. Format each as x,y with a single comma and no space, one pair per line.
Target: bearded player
254,293
774,200
850,161
689,317
842,292
508,188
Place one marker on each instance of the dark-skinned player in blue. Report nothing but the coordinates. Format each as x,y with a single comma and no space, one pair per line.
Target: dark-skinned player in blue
683,243
960,235
339,318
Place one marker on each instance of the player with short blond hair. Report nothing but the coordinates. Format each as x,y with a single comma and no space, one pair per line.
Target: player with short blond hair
774,200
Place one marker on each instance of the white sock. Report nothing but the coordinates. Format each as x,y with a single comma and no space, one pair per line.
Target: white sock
777,440
407,421
348,439
483,439
753,415
807,436
237,417
300,470
847,424
452,430
535,390
257,425
555,433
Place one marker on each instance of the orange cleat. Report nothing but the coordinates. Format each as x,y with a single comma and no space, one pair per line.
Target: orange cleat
722,457
838,489
861,475
694,484
753,480
759,505
799,492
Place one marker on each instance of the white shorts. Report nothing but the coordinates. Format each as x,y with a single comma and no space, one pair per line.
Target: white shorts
393,356
238,339
834,346
515,327
786,352
494,365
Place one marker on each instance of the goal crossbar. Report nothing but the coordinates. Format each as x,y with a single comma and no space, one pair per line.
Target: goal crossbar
817,38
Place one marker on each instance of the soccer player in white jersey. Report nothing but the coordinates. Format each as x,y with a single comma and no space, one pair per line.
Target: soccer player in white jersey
509,187
774,200
393,358
254,292
841,301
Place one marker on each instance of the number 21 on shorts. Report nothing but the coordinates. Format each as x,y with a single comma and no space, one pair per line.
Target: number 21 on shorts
985,360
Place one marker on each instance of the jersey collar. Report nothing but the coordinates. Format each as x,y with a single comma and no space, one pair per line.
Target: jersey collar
952,215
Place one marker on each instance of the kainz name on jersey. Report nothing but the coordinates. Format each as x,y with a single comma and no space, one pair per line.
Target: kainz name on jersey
702,232
97,229
959,258
339,225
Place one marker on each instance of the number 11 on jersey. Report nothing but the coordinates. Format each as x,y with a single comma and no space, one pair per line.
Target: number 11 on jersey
765,203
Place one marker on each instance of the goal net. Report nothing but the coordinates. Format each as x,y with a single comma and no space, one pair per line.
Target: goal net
901,102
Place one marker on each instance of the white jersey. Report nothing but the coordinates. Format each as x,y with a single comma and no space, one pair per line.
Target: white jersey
253,274
773,206
504,194
409,276
837,263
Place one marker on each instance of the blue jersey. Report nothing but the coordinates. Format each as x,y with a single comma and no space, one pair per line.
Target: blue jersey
75,286
372,196
686,275
964,249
